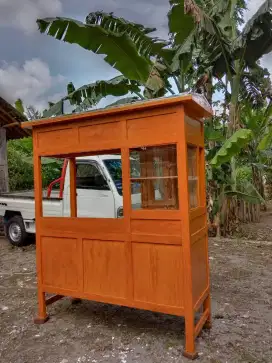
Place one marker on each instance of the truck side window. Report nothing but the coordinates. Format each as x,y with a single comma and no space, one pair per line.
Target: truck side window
88,176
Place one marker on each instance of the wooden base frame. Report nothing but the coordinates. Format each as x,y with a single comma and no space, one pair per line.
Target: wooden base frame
191,330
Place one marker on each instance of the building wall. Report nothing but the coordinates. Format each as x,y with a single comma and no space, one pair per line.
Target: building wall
4,183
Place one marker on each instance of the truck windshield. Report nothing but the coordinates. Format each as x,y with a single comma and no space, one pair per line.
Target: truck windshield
114,167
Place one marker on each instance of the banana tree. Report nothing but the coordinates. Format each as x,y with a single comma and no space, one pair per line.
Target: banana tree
91,94
204,43
251,146
259,122
126,47
230,201
132,50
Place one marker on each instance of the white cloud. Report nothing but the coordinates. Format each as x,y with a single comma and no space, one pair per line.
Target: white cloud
31,82
253,6
22,14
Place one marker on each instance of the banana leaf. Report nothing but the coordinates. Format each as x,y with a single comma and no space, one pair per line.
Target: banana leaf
232,147
119,50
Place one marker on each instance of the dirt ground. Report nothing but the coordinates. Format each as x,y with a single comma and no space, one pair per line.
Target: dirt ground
259,231
241,275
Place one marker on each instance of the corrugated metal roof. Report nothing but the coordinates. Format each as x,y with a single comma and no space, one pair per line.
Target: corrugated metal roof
11,120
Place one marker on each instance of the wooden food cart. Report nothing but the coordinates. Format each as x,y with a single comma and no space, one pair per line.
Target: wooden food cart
155,255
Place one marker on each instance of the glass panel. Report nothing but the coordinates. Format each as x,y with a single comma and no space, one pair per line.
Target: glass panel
154,177
192,176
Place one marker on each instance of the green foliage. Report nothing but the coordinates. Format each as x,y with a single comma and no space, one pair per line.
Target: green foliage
243,196
20,165
243,175
255,86
206,50
19,106
147,46
180,24
55,109
124,101
266,142
204,42
119,50
50,172
89,95
232,147
255,39
212,134
20,171
118,86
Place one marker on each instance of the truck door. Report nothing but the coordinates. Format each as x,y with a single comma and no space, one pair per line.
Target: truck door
94,196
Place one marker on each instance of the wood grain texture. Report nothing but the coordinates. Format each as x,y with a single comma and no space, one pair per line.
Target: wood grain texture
151,227
105,271
154,259
73,192
194,131
153,282
140,131
56,140
61,262
198,223
199,268
104,229
108,135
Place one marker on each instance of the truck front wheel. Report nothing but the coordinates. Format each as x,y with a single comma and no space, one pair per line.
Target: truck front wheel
15,231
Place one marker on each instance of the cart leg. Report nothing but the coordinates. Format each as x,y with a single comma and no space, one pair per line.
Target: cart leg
207,305
42,314
189,351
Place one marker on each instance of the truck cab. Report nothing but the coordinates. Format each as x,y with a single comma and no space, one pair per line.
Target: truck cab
99,187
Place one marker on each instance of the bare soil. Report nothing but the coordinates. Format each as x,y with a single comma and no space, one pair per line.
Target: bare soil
241,275
259,231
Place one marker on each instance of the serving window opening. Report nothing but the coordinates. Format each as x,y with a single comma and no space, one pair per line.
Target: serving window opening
99,186
90,185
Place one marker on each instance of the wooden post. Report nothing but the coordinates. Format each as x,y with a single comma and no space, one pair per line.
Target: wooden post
184,203
4,181
202,203
73,192
42,313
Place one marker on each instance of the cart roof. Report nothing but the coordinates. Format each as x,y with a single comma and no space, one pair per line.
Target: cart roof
195,101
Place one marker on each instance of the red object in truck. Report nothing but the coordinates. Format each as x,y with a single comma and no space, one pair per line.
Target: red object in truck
59,180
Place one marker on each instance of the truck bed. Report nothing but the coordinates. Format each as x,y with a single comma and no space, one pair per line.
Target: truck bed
30,194
24,203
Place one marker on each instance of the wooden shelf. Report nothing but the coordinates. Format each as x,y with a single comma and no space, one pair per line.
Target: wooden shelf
154,178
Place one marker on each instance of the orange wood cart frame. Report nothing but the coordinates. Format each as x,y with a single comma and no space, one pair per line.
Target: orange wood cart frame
156,256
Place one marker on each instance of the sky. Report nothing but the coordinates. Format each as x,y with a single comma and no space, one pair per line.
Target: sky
37,68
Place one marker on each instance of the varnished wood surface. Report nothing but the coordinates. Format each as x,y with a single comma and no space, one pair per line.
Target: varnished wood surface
195,111
154,259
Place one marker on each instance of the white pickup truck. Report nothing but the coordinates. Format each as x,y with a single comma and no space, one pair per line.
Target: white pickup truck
99,195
